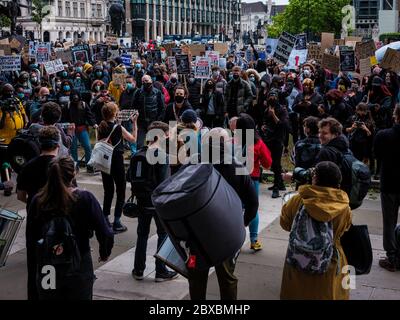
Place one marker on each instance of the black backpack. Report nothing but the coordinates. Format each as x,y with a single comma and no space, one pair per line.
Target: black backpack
22,148
58,247
356,178
306,153
142,176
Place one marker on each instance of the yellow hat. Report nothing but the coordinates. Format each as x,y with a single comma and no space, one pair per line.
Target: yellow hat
86,67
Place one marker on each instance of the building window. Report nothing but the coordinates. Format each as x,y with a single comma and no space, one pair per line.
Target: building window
176,13
83,11
68,8
158,12
93,10
150,12
182,14
99,9
188,14
138,11
75,7
164,10
60,8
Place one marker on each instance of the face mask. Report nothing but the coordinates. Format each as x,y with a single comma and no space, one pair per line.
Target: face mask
78,79
75,99
236,77
153,78
65,74
67,88
354,87
179,99
44,99
58,84
99,74
230,76
192,80
21,96
138,66
174,80
147,86
79,69
252,79
98,88
25,84
263,84
34,80
215,74
129,86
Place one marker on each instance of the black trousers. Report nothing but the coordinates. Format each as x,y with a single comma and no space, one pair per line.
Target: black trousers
294,126
390,211
117,177
213,121
276,148
226,279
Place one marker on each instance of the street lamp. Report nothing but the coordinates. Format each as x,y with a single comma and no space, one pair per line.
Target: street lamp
308,20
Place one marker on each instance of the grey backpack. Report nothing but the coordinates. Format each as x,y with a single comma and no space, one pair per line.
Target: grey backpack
310,246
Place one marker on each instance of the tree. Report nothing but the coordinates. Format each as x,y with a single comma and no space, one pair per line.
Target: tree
40,10
5,22
324,15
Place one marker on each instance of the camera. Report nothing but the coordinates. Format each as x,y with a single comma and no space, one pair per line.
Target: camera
65,126
303,176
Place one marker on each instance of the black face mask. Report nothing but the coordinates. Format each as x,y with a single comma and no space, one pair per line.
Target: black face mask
147,86
179,99
236,77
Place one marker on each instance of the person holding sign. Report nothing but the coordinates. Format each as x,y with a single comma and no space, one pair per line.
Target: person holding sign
115,88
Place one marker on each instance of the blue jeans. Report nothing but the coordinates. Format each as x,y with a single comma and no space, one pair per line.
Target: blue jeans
85,142
253,226
133,145
143,230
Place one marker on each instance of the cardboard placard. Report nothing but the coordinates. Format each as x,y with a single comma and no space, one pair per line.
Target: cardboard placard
197,49
175,51
347,60
182,63
126,59
331,62
202,68
15,44
112,54
351,44
285,46
327,40
365,66
209,46
297,58
301,43
314,52
270,47
81,53
365,49
43,52
112,41
222,48
352,38
5,41
119,79
213,56
67,45
10,63
172,64
339,42
53,67
168,48
2,53
5,49
222,63
391,60
64,55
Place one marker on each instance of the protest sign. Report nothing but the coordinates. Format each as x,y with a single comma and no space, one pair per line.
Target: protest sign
176,51
182,63
352,39
10,63
347,60
197,49
171,64
5,41
222,63
314,52
270,47
113,53
168,48
81,53
54,66
222,48
327,40
5,49
43,52
339,42
126,59
285,46
32,49
100,52
17,42
67,45
297,58
365,49
331,62
2,53
365,66
202,68
112,41
156,56
301,43
373,60
213,56
391,60
64,55
119,79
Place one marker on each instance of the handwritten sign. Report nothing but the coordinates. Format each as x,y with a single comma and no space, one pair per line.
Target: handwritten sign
10,63
331,62
391,60
54,66
202,68
285,46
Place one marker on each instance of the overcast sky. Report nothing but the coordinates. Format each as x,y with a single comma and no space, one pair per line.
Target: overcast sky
266,1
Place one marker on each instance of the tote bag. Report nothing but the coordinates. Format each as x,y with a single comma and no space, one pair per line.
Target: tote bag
102,154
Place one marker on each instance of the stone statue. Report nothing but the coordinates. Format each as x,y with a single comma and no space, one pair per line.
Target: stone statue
117,14
12,10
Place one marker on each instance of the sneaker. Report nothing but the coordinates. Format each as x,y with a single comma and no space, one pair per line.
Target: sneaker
275,194
271,188
256,246
166,276
137,275
387,264
118,227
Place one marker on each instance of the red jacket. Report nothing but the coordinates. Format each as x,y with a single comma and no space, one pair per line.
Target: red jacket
262,157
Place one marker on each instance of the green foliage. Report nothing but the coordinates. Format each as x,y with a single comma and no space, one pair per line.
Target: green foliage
325,16
39,11
390,36
5,22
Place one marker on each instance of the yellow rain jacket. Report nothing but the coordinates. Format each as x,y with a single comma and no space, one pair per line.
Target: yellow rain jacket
10,123
115,91
323,204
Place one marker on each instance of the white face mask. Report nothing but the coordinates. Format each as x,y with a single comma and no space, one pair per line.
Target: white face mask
263,84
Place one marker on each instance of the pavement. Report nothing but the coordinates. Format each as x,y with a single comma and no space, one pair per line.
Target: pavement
259,273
